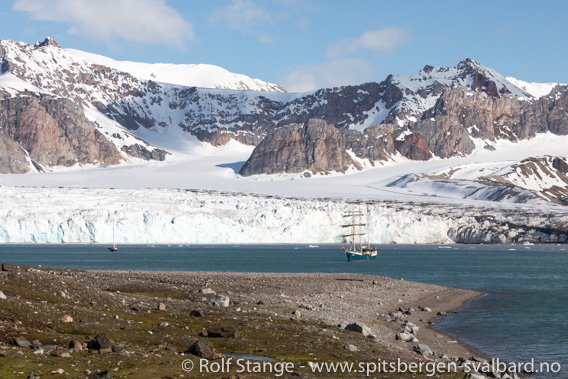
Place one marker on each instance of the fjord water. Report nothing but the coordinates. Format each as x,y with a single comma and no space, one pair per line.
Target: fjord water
522,317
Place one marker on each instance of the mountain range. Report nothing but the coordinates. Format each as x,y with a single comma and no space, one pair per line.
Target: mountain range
68,108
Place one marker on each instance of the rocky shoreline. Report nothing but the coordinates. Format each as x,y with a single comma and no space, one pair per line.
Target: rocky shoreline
103,324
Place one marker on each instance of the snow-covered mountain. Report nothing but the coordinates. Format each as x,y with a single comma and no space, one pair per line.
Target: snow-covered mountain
66,108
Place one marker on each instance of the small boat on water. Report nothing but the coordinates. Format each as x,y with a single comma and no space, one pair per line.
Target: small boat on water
357,251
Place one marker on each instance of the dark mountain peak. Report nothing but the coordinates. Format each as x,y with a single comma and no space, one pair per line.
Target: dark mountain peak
48,41
469,65
428,68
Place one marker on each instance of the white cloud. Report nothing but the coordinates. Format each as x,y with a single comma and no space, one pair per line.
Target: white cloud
333,74
246,17
142,21
379,40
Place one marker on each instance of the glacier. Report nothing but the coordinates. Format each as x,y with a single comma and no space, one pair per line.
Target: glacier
182,216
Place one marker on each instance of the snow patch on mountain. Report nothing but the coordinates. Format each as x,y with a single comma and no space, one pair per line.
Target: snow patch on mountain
15,85
535,89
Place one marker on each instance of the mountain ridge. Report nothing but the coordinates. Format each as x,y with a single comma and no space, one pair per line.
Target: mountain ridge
436,113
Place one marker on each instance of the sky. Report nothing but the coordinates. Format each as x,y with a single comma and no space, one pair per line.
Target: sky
304,45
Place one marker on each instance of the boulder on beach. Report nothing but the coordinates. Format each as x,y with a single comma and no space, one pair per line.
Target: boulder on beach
220,301
102,342
359,328
21,342
424,350
201,349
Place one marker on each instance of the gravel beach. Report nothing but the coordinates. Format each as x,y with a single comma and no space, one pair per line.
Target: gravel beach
153,319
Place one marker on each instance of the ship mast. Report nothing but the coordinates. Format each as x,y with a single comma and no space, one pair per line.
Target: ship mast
355,224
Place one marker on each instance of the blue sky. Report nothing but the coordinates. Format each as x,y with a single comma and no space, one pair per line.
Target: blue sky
306,44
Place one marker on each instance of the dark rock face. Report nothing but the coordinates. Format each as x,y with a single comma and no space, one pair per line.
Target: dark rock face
341,106
49,131
314,146
139,151
414,147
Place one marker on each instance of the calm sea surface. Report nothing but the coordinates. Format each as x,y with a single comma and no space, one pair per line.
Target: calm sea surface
523,317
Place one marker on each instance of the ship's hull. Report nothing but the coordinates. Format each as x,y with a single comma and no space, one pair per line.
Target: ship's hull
357,256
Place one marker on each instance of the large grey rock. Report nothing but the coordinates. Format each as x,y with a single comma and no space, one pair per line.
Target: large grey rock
423,350
201,349
220,301
2,296
21,342
170,346
359,328
351,348
102,341
404,336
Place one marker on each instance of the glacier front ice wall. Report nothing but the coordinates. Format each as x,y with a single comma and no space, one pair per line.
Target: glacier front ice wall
68,215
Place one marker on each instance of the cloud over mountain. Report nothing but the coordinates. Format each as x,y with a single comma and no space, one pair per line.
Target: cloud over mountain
339,72
379,40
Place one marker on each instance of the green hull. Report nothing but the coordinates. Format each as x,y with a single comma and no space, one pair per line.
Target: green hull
356,256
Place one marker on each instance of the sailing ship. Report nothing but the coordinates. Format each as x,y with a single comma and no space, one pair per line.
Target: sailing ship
113,247
357,251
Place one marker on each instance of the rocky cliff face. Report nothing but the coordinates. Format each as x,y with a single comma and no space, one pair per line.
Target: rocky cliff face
314,146
460,115
49,131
